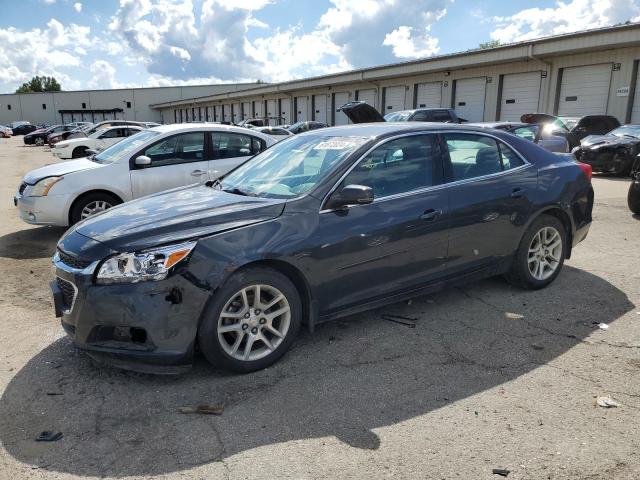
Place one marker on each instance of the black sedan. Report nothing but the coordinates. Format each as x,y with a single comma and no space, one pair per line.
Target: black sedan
614,152
39,137
24,129
319,226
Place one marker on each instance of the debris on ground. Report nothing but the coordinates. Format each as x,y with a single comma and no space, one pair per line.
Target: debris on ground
513,316
49,436
607,402
54,393
503,472
537,347
601,326
204,409
406,321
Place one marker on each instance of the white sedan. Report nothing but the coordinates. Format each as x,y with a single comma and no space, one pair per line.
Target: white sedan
98,140
151,161
279,133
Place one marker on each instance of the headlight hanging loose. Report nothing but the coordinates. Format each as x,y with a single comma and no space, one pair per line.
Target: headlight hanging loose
148,265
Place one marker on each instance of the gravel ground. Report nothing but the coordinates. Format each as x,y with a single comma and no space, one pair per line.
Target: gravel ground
490,377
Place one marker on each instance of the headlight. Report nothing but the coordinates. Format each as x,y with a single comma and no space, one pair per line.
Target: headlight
41,189
152,264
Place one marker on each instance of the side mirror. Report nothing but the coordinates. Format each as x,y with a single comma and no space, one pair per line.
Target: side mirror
350,195
142,161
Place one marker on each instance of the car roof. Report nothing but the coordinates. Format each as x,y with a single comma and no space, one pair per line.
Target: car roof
379,129
199,126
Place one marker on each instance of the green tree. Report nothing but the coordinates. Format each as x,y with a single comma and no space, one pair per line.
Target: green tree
40,84
489,44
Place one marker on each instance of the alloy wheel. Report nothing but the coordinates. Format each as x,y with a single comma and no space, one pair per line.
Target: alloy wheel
39,141
254,322
545,253
94,207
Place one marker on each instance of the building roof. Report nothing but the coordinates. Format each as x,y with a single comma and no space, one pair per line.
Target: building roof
589,40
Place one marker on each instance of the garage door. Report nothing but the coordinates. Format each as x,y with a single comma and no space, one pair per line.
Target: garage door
429,95
394,99
301,109
272,108
257,109
585,90
340,99
236,113
285,110
368,95
320,108
226,111
469,98
246,110
520,94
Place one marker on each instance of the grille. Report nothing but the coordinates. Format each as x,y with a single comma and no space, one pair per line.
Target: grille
68,292
73,262
22,188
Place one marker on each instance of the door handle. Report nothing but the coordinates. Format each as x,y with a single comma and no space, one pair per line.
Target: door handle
198,173
430,215
517,192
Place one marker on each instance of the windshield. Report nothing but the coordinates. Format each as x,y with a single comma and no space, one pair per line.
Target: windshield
397,116
124,147
290,168
627,131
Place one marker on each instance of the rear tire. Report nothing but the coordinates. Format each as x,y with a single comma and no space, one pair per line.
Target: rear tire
633,197
79,152
91,204
540,255
241,330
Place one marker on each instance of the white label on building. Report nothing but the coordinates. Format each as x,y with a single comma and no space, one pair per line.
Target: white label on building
622,92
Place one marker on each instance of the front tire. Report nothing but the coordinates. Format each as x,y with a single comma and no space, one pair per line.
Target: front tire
39,141
251,322
633,197
540,255
79,152
91,204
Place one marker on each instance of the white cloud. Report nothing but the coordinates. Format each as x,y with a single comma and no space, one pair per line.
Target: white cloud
564,17
404,46
78,6
23,55
103,75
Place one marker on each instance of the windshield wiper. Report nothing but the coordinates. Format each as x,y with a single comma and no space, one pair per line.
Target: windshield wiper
237,191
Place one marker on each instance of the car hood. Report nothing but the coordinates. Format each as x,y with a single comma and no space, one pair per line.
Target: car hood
57,169
175,215
74,141
599,140
361,112
538,118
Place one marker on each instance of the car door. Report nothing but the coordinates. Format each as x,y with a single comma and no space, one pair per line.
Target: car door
176,161
489,188
230,149
395,243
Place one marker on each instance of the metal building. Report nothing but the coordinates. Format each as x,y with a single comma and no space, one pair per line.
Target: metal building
591,72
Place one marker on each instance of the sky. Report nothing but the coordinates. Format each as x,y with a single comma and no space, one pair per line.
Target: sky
92,44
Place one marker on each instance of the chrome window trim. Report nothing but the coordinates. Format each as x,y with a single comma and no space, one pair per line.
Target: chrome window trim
433,187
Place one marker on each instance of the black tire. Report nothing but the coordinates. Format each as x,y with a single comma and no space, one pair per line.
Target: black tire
82,202
633,197
621,166
79,152
519,274
208,338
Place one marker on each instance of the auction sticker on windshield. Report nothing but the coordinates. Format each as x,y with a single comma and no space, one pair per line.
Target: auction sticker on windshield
337,144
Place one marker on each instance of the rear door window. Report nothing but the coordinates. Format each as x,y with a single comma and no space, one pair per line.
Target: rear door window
232,145
472,156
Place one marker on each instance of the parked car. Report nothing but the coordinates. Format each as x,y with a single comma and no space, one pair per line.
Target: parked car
39,137
279,133
5,131
614,152
532,132
24,129
300,127
362,112
153,160
85,132
150,124
633,197
573,128
322,225
54,138
99,140
261,122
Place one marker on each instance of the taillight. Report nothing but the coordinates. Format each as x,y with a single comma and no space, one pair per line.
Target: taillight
586,168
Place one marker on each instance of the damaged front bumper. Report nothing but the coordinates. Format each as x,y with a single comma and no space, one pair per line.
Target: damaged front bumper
148,326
